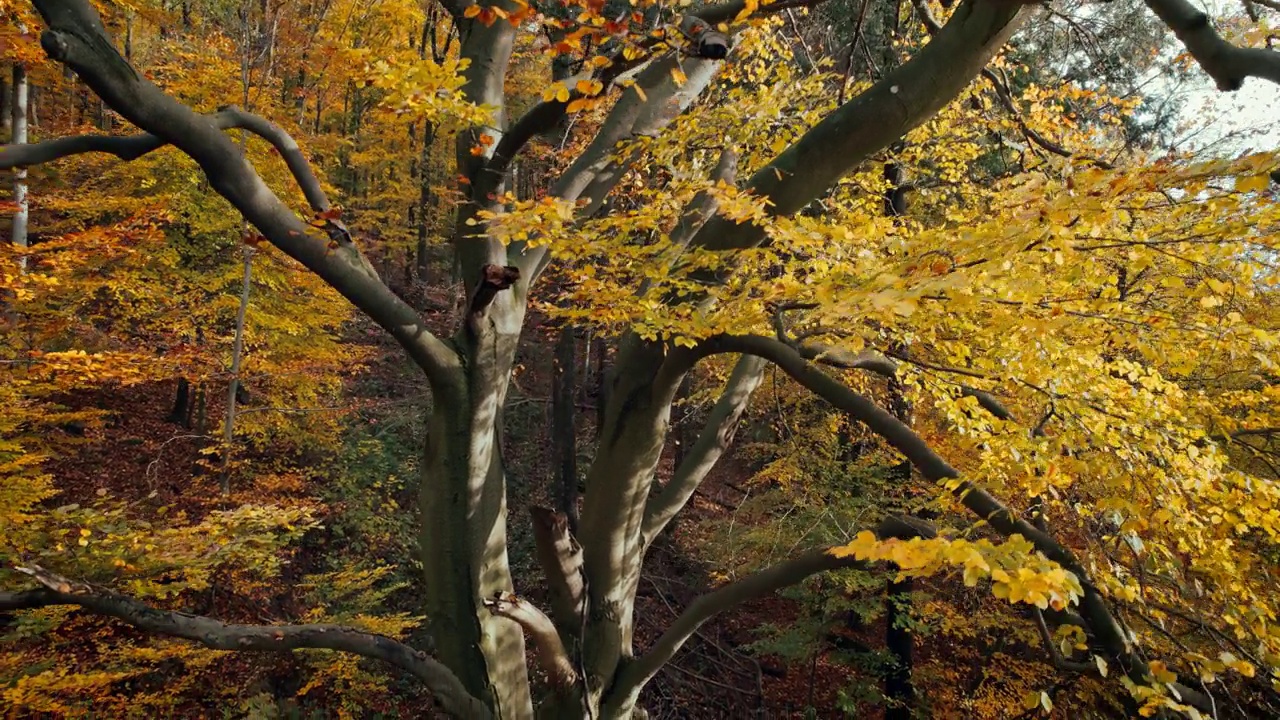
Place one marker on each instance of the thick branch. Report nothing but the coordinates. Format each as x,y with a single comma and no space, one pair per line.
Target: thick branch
870,122
560,557
77,39
124,147
555,660
1226,63
726,12
704,204
545,115
595,172
445,686
711,444
288,148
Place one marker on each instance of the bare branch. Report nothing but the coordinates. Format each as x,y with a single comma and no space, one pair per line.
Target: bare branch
711,444
124,147
132,147
1226,63
543,633
444,685
288,149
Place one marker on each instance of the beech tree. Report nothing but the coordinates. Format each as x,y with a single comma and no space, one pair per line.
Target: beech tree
740,259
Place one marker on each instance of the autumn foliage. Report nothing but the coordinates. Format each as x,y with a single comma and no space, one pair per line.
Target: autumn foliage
1022,395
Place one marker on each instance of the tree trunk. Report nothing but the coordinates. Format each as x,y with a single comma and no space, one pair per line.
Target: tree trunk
18,125
181,412
642,386
237,353
898,689
423,250
6,114
464,517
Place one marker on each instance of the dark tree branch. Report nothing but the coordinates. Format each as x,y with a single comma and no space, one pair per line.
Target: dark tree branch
1226,63
57,590
132,147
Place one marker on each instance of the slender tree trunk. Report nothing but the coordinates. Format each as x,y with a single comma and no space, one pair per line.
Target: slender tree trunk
202,410
6,111
899,690
246,253
18,125
564,435
596,347
237,353
423,250
181,412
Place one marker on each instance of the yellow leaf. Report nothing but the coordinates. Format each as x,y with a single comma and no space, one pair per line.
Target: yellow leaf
1253,183
678,75
471,11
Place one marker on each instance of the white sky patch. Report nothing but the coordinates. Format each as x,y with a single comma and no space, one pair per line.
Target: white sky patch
1229,122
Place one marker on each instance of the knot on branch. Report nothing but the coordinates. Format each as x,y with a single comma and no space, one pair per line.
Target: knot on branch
55,45
706,42
493,279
